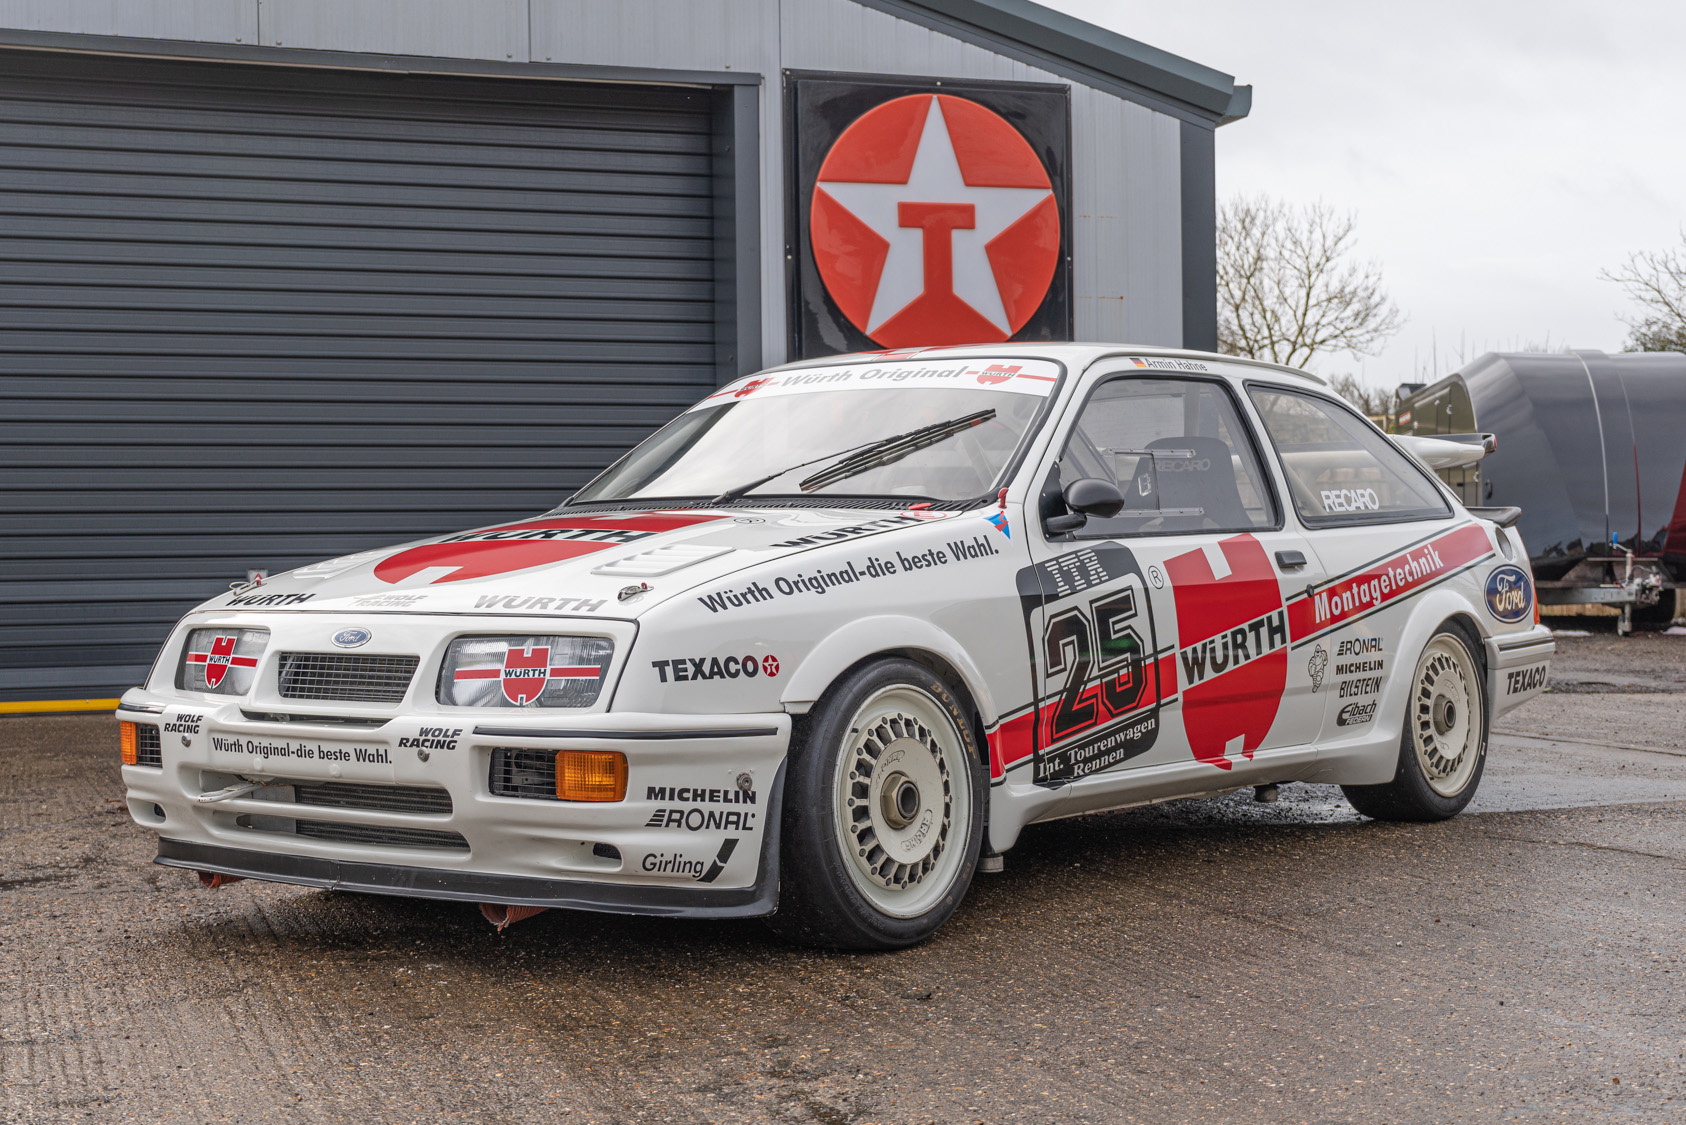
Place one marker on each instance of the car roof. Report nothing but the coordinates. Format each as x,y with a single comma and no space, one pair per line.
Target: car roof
1077,356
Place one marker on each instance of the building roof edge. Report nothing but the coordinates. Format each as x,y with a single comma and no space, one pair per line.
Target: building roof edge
1211,92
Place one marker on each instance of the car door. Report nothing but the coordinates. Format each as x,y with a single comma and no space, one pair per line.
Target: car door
1385,533
1159,634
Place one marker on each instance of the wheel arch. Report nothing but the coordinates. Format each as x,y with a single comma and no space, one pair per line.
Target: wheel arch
884,635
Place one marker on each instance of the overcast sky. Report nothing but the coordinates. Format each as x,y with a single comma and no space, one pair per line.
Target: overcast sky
1497,154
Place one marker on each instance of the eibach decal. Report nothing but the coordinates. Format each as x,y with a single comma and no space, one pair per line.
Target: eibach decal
522,546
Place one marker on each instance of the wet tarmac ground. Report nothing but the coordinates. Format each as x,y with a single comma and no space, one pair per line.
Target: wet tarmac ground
1198,962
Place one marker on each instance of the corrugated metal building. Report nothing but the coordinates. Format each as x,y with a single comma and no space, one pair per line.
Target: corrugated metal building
288,278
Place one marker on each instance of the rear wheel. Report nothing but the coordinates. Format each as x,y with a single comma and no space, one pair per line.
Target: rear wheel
883,812
1443,748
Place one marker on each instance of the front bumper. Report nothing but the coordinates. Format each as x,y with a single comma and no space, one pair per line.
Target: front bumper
697,834
758,899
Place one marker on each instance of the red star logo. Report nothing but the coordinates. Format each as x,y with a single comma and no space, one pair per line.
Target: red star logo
933,223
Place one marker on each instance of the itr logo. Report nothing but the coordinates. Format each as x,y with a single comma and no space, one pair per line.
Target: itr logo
933,223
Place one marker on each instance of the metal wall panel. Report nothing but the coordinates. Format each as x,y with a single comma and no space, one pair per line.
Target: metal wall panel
203,21
1126,185
465,29
682,34
1126,163
253,317
1128,257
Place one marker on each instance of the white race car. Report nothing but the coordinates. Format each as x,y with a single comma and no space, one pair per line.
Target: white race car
823,645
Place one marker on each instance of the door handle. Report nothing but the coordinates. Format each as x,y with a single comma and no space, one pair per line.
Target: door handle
1290,560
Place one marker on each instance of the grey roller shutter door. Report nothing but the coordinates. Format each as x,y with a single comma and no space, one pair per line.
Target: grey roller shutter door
256,316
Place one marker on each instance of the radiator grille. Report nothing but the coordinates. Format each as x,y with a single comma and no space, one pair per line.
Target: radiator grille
382,798
356,678
149,746
387,837
523,773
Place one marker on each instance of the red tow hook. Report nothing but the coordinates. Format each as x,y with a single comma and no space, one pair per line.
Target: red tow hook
213,880
504,917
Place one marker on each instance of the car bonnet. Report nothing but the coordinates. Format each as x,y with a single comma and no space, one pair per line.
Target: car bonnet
598,564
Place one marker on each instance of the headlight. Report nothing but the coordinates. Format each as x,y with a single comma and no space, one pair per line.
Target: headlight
221,661
524,671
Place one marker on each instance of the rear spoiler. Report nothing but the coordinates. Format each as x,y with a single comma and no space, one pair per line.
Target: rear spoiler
1504,517
1447,451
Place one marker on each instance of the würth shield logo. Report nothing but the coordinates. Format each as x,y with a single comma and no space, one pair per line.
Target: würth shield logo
934,222
526,671
1232,647
220,659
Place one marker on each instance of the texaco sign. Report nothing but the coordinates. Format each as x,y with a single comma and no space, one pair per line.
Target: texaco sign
927,216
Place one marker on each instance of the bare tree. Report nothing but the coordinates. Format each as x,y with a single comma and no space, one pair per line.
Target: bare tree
1656,282
1378,405
1289,288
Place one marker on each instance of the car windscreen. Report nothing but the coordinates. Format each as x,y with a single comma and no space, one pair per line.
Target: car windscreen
962,420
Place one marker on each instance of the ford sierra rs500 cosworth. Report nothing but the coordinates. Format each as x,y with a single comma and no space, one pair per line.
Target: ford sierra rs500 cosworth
825,643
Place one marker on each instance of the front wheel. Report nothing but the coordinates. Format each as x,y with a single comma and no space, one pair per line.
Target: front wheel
1443,748
883,812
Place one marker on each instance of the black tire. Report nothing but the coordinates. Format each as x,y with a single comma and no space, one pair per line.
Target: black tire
821,900
1413,795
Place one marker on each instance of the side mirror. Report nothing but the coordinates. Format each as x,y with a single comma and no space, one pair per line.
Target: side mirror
1086,496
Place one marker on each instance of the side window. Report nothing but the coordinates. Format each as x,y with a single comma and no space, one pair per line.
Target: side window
1340,470
1177,450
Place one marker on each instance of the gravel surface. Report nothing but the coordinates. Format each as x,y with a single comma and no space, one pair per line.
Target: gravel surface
1198,962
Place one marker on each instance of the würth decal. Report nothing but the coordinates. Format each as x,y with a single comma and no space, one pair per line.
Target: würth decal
522,546
220,659
526,671
1232,647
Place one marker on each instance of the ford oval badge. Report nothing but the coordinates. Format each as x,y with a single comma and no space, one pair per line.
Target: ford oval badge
1510,594
351,638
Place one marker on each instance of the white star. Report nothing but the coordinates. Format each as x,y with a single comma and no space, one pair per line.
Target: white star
935,179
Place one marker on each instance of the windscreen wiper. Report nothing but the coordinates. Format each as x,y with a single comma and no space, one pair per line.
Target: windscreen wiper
893,449
925,435
742,489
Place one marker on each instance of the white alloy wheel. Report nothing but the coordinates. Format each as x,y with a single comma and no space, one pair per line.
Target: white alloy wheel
1444,719
903,801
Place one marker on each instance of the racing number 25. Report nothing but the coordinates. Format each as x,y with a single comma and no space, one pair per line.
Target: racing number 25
1070,651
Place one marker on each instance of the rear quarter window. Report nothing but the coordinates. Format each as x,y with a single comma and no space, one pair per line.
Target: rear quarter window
1340,469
